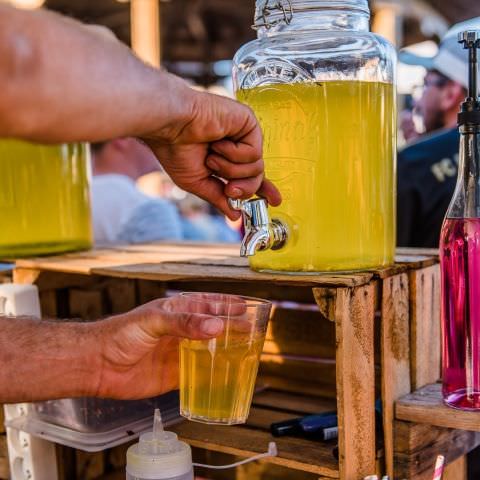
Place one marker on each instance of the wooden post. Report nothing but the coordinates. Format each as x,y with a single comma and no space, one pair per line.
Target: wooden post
395,351
425,326
388,20
354,314
145,28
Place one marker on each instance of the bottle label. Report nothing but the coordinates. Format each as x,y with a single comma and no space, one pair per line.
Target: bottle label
274,71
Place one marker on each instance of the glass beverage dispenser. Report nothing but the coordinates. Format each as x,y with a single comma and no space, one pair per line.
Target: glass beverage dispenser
323,89
44,198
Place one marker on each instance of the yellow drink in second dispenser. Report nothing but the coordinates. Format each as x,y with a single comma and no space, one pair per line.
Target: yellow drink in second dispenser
217,378
44,198
330,148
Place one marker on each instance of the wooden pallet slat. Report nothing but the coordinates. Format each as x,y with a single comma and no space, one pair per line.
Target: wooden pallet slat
52,280
426,406
296,453
293,331
395,352
121,294
355,376
417,446
293,402
314,371
249,471
148,291
86,304
425,325
182,271
456,470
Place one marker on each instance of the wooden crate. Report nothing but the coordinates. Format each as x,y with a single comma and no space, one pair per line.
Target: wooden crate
334,339
426,427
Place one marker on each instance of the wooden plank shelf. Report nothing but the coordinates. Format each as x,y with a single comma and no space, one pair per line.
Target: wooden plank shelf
426,406
202,262
253,438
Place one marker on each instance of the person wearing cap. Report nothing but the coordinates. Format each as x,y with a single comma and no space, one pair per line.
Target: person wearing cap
427,167
63,82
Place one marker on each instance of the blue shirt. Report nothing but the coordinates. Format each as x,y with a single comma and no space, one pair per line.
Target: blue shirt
427,175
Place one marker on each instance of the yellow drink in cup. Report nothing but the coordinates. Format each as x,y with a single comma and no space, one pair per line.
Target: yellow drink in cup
217,376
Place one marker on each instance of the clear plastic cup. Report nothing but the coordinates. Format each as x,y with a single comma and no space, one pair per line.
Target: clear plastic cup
217,376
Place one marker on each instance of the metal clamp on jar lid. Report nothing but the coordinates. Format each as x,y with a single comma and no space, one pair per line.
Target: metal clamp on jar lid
270,13
262,18
261,233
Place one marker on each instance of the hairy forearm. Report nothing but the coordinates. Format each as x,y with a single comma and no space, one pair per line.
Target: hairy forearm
59,81
44,360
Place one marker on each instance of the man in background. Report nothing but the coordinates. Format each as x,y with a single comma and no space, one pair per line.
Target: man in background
427,168
121,212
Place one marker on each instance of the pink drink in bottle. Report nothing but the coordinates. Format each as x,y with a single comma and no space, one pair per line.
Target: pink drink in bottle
460,257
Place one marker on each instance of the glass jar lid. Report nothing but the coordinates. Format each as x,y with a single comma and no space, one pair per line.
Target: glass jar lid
269,13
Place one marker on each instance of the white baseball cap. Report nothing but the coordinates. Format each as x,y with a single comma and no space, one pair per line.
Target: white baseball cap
451,59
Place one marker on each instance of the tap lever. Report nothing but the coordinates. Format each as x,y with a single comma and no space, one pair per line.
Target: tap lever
261,233
237,204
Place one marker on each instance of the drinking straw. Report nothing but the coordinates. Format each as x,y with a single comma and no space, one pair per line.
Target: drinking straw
439,465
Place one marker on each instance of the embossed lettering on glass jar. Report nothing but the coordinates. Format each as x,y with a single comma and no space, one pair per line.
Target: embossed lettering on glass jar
323,89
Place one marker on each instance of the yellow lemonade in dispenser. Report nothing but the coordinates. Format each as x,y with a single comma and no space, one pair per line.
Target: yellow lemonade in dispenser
330,148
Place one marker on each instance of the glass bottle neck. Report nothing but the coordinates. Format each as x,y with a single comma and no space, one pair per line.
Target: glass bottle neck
272,18
466,199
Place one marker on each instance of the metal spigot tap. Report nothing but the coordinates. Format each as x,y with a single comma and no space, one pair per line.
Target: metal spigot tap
261,233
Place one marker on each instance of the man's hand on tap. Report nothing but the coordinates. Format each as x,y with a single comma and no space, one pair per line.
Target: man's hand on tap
215,152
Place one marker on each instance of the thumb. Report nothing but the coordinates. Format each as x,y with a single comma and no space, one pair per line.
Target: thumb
196,326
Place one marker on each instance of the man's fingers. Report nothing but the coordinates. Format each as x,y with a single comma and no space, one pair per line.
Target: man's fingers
217,304
157,321
228,170
243,188
269,191
193,325
247,150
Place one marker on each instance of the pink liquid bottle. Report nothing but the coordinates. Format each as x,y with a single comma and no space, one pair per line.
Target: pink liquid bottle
460,256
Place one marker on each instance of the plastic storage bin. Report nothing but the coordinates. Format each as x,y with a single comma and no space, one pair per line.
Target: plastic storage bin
92,424
96,415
